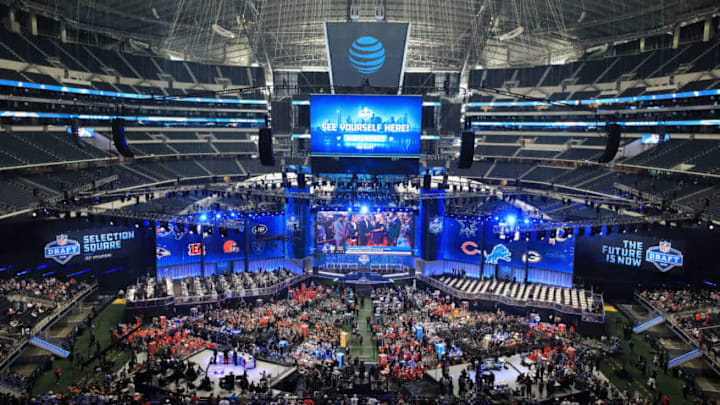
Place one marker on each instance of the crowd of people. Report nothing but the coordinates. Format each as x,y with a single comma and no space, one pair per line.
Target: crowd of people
49,288
412,331
672,301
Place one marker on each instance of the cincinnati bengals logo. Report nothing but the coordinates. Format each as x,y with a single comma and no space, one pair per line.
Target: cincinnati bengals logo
194,249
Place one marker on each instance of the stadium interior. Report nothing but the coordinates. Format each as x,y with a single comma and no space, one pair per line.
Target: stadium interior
359,202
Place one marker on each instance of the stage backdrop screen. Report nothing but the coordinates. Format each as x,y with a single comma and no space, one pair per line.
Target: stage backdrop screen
372,51
374,233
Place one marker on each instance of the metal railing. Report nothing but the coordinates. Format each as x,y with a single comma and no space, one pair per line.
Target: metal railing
568,309
671,321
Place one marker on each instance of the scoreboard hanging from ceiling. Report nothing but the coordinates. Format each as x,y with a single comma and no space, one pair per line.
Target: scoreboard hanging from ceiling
365,134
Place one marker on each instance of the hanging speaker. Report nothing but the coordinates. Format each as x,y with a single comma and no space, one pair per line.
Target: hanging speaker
118,133
265,147
613,142
467,150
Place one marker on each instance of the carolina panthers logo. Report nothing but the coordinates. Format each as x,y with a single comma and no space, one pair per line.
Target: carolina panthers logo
499,252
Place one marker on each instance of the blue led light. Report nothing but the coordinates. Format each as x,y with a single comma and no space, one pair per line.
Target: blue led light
203,217
591,124
611,100
75,90
511,219
29,114
364,209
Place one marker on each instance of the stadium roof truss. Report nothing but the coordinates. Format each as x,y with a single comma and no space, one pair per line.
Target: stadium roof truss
446,35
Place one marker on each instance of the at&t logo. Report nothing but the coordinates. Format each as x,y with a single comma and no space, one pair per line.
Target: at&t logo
366,55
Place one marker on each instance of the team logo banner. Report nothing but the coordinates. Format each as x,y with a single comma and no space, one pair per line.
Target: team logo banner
372,51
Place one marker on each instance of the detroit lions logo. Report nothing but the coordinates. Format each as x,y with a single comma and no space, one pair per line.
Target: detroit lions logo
499,252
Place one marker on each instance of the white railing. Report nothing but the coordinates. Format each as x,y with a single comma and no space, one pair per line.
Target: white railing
568,309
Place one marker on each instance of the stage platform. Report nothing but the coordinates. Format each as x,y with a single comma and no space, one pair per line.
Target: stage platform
504,376
274,373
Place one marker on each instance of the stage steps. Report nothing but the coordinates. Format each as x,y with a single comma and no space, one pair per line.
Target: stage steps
684,358
649,324
47,346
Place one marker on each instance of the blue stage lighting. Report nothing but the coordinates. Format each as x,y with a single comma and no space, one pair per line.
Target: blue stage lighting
218,215
526,221
233,214
511,219
203,217
349,209
364,209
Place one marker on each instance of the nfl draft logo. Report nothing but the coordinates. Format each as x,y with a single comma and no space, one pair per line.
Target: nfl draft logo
292,223
62,249
664,257
364,259
436,225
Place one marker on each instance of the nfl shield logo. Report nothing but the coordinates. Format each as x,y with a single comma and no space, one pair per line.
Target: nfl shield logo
62,249
664,246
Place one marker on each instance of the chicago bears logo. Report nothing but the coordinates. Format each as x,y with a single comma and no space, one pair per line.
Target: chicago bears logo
664,256
62,249
470,248
499,252
161,252
194,249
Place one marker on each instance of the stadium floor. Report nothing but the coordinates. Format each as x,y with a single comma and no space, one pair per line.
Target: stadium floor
667,384
71,373
365,351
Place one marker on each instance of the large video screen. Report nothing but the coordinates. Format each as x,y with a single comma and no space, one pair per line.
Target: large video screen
373,233
372,51
365,126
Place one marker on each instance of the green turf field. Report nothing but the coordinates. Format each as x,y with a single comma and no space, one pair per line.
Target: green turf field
366,351
665,383
71,373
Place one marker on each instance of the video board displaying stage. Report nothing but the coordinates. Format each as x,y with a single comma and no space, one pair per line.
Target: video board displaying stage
355,128
376,233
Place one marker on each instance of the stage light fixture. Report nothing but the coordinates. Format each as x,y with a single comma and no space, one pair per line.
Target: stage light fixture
526,221
218,215
711,226
203,217
364,209
137,224
511,219
569,233
112,222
